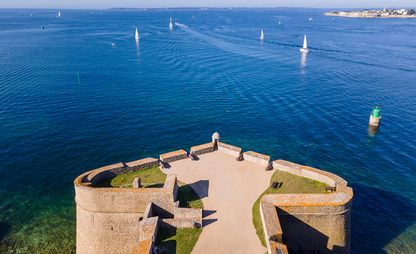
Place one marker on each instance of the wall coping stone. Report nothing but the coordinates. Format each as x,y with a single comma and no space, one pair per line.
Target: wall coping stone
173,156
231,147
144,161
309,172
109,168
201,149
258,155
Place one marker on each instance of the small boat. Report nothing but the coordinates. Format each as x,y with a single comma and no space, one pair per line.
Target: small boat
59,14
310,19
170,24
136,35
304,49
262,35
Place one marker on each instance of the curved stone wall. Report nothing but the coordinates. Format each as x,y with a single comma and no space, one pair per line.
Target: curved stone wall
106,217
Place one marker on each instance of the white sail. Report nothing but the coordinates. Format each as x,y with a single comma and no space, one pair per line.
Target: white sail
261,35
170,24
304,48
59,14
137,36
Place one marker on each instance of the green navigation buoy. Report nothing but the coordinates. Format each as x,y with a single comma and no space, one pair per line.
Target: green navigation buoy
375,112
375,116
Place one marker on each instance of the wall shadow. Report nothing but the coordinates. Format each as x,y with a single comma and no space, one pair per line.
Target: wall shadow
378,217
206,222
201,188
299,237
163,243
206,213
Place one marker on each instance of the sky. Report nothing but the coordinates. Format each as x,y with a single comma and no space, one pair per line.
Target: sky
79,4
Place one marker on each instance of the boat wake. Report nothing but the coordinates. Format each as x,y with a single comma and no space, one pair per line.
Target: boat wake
239,49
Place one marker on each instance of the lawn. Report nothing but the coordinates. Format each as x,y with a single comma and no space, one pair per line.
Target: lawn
150,177
289,184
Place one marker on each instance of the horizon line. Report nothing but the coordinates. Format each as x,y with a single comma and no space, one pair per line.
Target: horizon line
200,7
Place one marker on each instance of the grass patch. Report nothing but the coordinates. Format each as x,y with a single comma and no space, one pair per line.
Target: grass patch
149,178
180,241
290,184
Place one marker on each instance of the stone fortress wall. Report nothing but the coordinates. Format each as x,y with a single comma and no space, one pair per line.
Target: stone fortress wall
125,220
118,220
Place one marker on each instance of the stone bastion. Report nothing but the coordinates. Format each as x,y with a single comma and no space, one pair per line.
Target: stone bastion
126,220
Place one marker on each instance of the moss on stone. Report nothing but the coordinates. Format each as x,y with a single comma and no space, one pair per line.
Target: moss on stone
289,184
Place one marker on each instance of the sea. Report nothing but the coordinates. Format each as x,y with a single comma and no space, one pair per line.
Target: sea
80,93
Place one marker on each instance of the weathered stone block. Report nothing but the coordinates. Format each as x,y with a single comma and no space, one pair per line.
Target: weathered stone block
201,149
229,149
173,156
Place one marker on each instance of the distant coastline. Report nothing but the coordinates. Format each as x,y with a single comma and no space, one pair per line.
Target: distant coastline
384,13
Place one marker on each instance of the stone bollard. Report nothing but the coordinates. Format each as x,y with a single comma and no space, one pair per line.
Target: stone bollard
136,183
240,157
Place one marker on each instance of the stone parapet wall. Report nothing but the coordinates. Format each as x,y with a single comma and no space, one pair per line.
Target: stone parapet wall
229,149
201,149
309,172
257,158
99,175
173,156
142,164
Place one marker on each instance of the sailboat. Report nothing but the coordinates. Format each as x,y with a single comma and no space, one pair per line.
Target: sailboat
137,36
170,24
261,35
59,14
304,49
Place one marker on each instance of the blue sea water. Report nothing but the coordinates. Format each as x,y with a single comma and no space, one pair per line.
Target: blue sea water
174,89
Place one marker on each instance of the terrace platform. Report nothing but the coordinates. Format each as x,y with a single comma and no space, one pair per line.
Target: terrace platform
228,189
